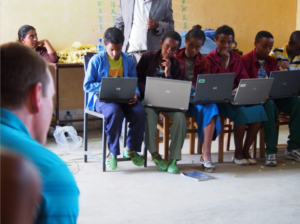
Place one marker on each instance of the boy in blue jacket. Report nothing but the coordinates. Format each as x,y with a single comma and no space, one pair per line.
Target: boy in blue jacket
112,62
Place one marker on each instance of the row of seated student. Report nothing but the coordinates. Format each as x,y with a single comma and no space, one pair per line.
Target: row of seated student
185,64
50,184
191,64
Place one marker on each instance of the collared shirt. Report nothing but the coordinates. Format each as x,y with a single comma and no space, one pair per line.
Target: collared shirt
252,64
147,67
201,65
59,195
138,36
281,55
235,65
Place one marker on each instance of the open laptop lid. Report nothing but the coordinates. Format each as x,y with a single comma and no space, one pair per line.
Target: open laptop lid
213,88
286,84
118,90
167,94
252,91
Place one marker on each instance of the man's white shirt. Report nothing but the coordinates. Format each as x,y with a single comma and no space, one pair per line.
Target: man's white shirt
138,35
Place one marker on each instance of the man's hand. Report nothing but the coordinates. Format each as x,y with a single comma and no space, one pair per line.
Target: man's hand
224,57
167,64
133,101
152,24
284,65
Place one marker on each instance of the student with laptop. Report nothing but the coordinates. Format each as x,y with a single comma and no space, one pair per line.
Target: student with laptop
259,64
206,115
223,60
162,64
288,56
112,62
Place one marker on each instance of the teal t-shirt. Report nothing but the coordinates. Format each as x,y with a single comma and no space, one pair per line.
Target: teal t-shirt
59,204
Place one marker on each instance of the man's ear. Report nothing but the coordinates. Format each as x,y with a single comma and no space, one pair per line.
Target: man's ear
255,43
35,96
160,43
215,40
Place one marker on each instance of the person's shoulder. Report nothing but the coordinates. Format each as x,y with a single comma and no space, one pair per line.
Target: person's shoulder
45,160
272,59
212,56
235,55
175,62
213,53
148,55
200,58
249,54
247,57
278,50
125,55
128,58
179,53
98,58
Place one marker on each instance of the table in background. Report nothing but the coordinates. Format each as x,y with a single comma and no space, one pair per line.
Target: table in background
57,68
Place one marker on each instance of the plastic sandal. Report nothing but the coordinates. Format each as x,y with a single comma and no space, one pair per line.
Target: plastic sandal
173,168
208,165
162,164
112,162
136,160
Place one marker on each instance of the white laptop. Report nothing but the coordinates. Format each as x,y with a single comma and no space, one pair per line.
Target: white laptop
252,91
167,94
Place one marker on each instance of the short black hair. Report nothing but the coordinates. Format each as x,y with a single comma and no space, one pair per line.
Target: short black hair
23,31
113,35
262,34
172,34
224,30
196,32
295,37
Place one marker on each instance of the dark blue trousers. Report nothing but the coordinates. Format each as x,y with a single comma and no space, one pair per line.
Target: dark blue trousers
114,115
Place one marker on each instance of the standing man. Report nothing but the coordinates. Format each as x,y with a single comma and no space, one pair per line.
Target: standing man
143,23
27,92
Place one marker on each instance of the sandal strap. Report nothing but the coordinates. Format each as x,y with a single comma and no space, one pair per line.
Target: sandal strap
157,155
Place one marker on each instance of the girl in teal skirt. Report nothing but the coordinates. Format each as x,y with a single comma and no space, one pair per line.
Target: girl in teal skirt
223,60
206,115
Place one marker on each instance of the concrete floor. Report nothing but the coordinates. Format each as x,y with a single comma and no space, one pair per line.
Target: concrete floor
137,195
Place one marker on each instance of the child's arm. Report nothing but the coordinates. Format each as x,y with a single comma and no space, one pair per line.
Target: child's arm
132,73
140,69
92,80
